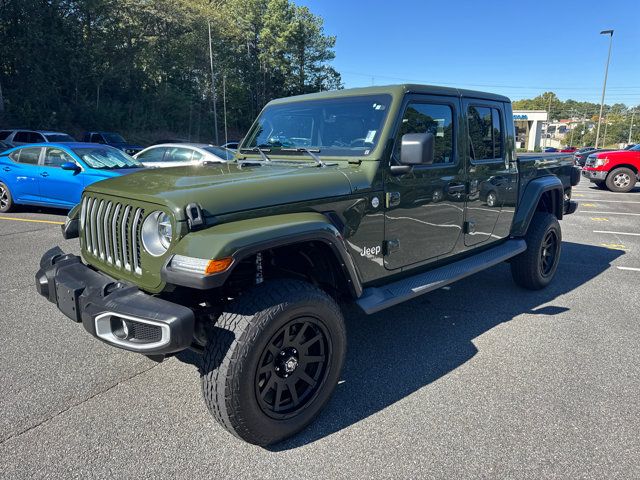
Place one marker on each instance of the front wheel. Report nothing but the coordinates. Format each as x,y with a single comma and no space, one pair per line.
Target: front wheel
621,180
535,268
272,360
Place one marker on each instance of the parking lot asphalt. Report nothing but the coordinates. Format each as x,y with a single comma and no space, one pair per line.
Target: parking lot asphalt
480,379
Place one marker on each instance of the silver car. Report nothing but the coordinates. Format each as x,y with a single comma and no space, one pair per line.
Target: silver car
181,154
23,137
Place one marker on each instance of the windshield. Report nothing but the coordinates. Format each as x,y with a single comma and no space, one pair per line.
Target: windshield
59,137
220,152
349,126
106,158
113,138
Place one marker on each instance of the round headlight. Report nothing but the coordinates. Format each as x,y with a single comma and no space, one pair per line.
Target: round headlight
157,233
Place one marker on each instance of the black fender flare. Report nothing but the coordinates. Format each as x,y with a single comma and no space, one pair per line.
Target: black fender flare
529,200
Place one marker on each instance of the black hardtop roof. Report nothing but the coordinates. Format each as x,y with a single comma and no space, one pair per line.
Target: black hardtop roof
394,90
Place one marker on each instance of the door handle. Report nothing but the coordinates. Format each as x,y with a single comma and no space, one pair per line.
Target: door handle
6,169
44,174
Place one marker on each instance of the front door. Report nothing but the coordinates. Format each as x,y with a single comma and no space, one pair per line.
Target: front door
490,172
425,206
58,186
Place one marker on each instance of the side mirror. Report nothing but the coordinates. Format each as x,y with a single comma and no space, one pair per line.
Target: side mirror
70,166
417,149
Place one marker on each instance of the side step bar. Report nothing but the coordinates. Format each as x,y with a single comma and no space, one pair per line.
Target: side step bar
374,299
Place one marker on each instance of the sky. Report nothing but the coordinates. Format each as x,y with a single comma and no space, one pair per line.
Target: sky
516,48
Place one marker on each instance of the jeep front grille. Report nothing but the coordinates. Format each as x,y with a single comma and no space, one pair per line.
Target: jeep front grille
111,232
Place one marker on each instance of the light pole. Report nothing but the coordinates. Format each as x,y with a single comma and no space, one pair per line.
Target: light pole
604,86
633,114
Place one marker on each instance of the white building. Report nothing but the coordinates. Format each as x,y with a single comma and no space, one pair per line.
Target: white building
528,125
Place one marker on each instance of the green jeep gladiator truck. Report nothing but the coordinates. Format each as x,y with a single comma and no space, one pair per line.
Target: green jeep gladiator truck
373,195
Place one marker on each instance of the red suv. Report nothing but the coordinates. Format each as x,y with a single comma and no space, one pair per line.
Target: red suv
616,170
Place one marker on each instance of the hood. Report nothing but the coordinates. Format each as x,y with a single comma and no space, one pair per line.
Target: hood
228,188
618,154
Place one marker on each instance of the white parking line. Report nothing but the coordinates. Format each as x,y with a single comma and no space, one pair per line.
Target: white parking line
591,212
617,233
606,201
632,269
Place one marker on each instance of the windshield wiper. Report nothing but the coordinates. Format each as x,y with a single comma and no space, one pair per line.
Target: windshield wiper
263,155
311,153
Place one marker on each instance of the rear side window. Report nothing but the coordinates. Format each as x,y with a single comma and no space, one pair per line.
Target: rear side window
29,155
152,155
429,118
485,133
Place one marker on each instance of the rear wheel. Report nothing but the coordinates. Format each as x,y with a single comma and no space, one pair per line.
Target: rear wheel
621,180
6,200
273,360
535,268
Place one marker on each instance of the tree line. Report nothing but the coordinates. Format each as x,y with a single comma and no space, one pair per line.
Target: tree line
144,67
615,126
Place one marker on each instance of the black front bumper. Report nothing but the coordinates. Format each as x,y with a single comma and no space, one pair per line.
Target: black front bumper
115,312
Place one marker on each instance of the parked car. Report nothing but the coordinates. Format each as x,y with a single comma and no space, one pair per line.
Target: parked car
22,137
615,170
568,149
550,150
113,139
54,174
585,149
231,145
181,154
581,158
245,262
630,146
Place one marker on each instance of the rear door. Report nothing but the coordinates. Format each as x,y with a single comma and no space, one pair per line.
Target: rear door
22,174
152,157
490,175
58,186
425,207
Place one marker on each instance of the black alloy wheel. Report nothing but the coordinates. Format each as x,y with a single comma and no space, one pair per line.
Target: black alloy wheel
549,253
6,201
293,367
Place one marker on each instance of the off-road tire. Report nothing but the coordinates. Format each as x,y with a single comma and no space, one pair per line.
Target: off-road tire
621,180
600,184
534,269
6,200
237,345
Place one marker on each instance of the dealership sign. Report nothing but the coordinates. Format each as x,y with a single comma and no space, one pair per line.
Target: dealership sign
520,117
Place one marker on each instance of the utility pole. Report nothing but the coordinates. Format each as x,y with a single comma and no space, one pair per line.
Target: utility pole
224,106
571,121
213,90
604,86
604,140
546,132
633,114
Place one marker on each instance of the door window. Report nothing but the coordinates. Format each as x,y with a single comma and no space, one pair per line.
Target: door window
178,154
4,134
152,155
485,133
433,118
22,137
54,157
35,137
29,155
96,138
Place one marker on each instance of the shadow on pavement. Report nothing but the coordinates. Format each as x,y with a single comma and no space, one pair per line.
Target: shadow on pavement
398,351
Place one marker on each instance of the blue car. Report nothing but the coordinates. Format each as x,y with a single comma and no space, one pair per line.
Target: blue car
55,174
